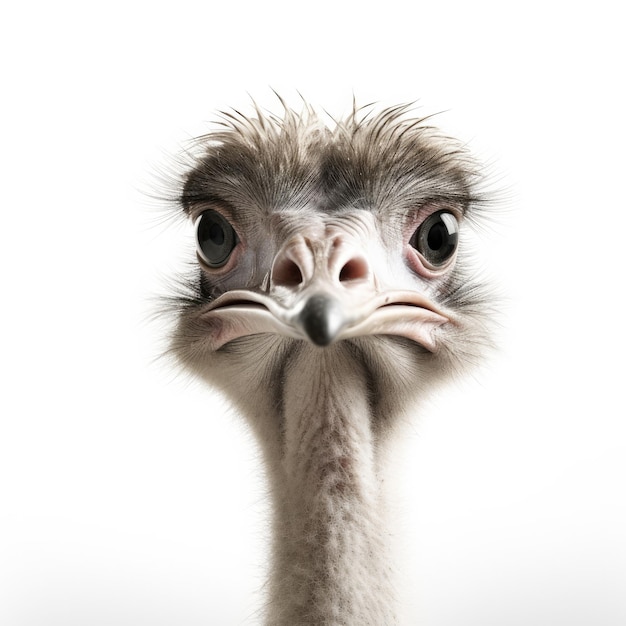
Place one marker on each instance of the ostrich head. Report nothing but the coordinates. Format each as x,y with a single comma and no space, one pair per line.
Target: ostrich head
332,290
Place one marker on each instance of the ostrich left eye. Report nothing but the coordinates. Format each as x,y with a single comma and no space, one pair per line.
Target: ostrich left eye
437,237
216,238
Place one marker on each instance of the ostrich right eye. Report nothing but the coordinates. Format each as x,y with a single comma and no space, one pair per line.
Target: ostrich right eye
216,238
437,238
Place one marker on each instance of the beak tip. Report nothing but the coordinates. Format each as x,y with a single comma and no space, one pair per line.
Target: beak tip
321,319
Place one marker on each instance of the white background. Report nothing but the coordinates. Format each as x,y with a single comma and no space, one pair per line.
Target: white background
130,495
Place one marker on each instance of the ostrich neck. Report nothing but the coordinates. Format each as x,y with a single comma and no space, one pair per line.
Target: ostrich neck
330,565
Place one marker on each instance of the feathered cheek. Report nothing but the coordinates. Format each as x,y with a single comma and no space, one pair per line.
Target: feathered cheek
209,333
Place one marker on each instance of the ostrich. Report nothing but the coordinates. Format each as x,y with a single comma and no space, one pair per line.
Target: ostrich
329,295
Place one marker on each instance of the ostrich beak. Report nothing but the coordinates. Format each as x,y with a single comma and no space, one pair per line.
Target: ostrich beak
323,319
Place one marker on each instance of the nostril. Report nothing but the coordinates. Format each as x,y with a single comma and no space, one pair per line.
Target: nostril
354,269
286,273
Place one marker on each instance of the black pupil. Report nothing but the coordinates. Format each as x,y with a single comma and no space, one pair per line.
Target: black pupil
436,236
216,234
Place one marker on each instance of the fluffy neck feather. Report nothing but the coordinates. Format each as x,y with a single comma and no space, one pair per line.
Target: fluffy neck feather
330,557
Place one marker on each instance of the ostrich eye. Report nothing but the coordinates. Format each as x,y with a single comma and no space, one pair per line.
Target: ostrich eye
216,238
437,237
